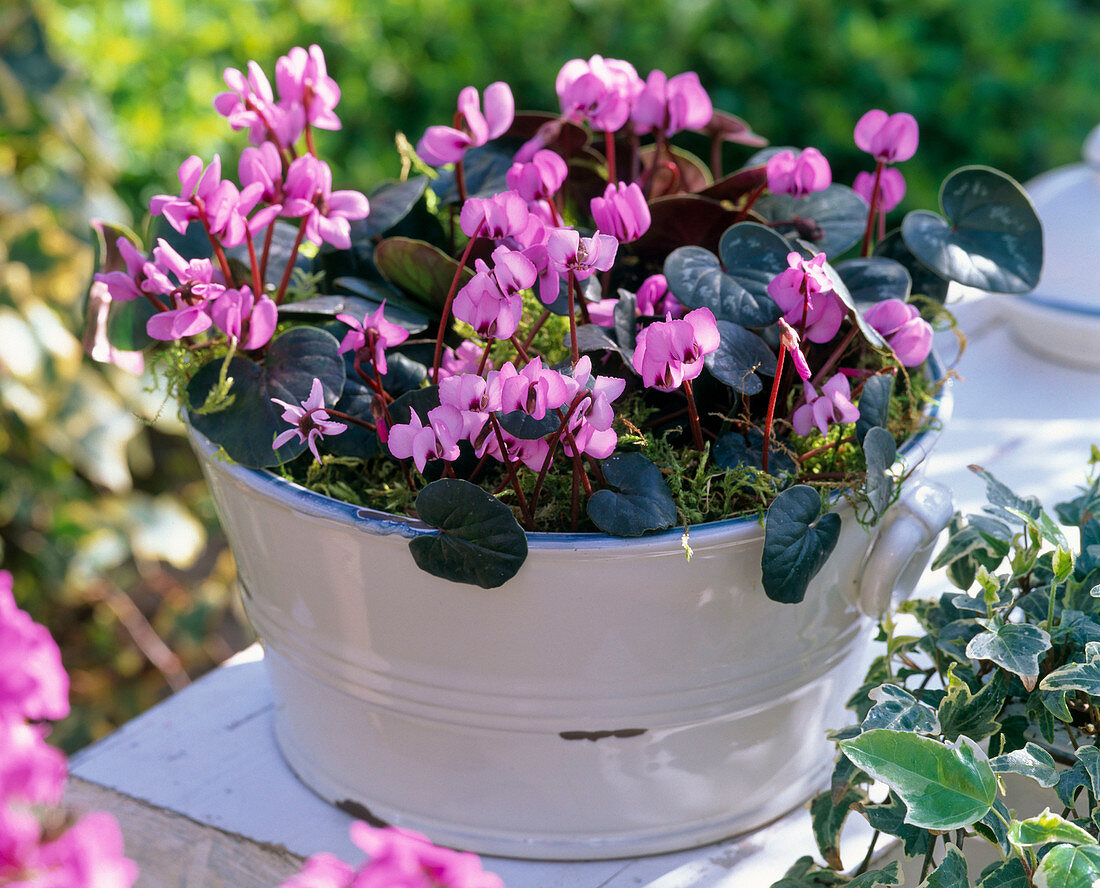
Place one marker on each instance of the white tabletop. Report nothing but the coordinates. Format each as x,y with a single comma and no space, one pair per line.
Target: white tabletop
208,753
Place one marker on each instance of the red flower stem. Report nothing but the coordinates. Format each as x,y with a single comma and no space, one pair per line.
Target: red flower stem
280,294
609,150
535,329
222,261
267,250
580,396
484,357
693,416
339,414
771,407
309,140
257,287
838,352
865,249
578,469
528,518
156,303
521,352
743,215
446,317
573,321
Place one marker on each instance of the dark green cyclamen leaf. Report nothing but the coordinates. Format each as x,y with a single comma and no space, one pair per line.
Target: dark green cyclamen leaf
356,441
126,323
740,356
875,279
898,710
951,873
485,169
403,374
925,282
317,307
889,818
291,363
399,309
798,540
874,404
526,427
1012,646
991,239
944,787
284,241
963,713
879,452
827,816
423,271
479,541
1004,874
420,400
640,503
626,325
1066,866
734,450
753,254
1047,827
391,202
593,337
696,278
737,185
832,220
1083,676
1032,761
840,290
683,219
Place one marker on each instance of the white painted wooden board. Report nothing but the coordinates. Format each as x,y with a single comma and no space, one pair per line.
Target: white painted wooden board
208,753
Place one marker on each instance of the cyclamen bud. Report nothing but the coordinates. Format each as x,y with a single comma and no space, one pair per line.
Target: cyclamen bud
798,175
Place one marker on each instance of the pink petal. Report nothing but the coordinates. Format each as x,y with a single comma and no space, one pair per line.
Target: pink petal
500,108
442,144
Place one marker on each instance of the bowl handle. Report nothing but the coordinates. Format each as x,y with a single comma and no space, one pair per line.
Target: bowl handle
901,549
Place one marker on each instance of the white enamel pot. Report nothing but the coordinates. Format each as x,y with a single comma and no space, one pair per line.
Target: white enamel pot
612,699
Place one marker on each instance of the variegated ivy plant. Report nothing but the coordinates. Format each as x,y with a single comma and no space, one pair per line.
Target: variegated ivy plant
566,321
1003,678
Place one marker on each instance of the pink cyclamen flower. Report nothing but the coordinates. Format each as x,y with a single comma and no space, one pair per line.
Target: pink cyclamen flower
33,683
889,138
123,286
907,333
534,390
491,301
31,771
445,144
798,175
303,81
190,288
671,351
654,298
671,104
502,215
322,871
622,211
540,178
405,853
568,252
249,103
436,440
310,421
805,293
373,332
891,188
240,316
833,404
464,359
590,426
197,184
308,193
789,338
599,91
87,855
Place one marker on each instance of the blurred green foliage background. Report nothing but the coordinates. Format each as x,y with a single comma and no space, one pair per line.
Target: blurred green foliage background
102,516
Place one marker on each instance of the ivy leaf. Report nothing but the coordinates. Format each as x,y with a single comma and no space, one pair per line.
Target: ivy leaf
479,540
741,354
1066,866
944,787
805,873
992,238
1005,503
963,713
798,540
1012,646
1077,676
1004,874
641,503
898,710
837,213
291,362
874,404
696,278
879,453
420,269
951,873
881,878
1070,782
1089,757
1032,761
827,818
1047,827
890,819
875,279
992,827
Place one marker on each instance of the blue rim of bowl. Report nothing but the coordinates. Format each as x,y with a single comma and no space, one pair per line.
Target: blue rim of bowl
301,499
